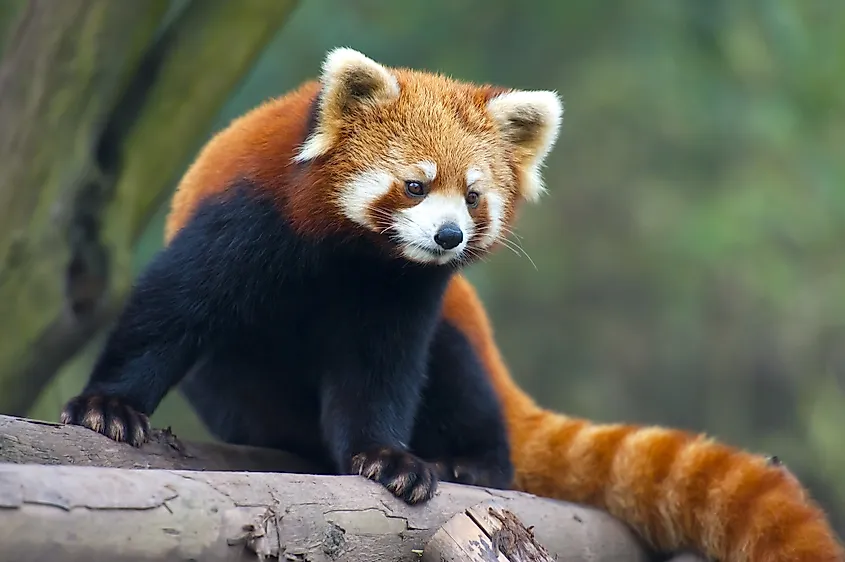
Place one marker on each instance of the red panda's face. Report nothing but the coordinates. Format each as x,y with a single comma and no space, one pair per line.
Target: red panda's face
434,166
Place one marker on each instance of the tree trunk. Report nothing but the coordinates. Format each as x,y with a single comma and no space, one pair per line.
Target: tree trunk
99,109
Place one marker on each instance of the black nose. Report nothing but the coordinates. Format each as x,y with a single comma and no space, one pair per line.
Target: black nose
448,236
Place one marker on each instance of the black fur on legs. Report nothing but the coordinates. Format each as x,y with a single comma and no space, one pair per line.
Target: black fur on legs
329,348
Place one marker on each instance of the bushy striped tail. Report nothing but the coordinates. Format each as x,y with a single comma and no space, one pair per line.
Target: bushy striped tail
677,490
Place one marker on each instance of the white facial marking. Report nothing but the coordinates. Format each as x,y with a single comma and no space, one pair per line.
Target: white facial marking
428,168
495,214
359,195
473,175
416,227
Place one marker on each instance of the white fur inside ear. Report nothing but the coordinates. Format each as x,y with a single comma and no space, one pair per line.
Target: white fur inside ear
530,119
342,63
348,77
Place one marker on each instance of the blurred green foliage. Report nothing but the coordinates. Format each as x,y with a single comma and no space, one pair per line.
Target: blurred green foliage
10,13
688,267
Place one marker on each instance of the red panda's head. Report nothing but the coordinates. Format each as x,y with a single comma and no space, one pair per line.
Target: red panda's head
434,166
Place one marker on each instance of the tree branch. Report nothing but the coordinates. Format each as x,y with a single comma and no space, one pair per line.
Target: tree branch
99,111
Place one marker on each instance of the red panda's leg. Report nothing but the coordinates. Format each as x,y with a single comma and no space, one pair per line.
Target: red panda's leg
460,424
156,340
179,306
366,417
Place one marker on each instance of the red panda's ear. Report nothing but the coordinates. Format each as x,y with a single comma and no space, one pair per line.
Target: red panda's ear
530,121
349,80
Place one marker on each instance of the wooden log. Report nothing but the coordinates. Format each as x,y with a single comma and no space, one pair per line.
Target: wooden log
61,505
72,513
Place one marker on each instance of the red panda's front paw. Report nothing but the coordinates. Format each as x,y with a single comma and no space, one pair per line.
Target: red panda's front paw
403,474
108,415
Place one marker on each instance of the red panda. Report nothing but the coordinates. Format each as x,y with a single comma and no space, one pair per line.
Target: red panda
308,297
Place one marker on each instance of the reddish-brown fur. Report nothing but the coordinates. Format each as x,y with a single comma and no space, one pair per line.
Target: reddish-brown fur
676,489
260,144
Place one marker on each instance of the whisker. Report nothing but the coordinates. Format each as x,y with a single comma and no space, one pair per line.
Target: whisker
512,245
507,244
510,231
472,253
515,247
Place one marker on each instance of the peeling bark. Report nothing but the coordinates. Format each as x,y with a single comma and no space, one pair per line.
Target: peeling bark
485,533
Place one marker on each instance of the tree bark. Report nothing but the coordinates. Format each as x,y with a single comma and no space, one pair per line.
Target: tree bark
99,108
66,513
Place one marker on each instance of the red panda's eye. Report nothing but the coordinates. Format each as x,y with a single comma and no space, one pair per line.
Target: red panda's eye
414,188
472,199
